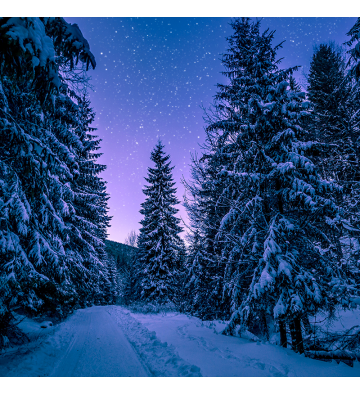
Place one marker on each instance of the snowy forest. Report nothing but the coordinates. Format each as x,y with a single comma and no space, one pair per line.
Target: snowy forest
273,201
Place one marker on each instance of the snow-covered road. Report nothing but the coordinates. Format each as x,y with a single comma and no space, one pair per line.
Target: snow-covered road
88,344
99,348
99,341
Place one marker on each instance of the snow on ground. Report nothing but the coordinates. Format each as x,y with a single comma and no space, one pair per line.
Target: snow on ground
161,359
38,357
93,342
34,330
89,343
217,355
108,341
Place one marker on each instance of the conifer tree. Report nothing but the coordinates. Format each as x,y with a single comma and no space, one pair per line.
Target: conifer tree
52,201
285,216
334,95
128,281
203,284
180,297
280,234
354,52
333,114
205,207
90,205
159,242
128,270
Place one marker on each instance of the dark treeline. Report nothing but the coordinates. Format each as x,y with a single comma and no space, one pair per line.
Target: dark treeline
121,253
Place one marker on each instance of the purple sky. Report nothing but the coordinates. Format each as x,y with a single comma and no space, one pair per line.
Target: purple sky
152,77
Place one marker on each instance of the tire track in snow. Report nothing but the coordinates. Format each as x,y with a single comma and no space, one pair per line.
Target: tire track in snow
68,362
99,349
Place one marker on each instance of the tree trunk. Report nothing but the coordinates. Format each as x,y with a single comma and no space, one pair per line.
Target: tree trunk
293,336
298,335
265,327
283,337
307,326
230,328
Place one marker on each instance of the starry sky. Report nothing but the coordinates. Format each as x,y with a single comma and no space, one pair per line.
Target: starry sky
153,78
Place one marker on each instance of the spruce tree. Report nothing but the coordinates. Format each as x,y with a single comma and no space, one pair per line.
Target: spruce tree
354,52
280,234
285,216
205,202
90,205
332,115
51,239
159,242
128,268
334,96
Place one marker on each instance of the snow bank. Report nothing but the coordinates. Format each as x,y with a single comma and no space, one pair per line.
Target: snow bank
34,330
37,358
201,344
49,346
161,358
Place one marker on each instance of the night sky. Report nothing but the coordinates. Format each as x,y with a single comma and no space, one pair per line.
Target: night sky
152,78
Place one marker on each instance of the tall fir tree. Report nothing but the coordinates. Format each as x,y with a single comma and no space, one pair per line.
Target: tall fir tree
90,205
51,240
205,202
334,119
159,242
280,234
354,51
332,116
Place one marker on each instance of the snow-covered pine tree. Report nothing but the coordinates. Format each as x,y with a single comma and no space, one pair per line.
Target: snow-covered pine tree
281,233
159,241
205,206
210,195
201,298
44,251
180,295
354,51
332,116
108,282
91,207
129,287
334,120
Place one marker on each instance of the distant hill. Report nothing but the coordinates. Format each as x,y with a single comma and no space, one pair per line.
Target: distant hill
121,252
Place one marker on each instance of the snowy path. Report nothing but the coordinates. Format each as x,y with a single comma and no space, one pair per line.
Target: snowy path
99,349
100,341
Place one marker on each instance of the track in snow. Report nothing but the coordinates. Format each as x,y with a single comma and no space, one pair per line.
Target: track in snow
99,349
99,341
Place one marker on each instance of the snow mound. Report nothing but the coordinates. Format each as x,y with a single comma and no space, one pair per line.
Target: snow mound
161,359
249,336
32,329
46,324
